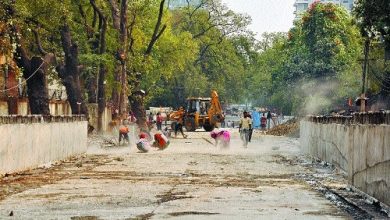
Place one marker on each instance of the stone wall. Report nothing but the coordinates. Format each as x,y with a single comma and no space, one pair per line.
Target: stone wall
358,144
29,141
93,116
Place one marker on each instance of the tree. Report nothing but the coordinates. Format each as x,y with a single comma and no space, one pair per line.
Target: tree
69,72
102,66
137,95
330,38
373,19
311,69
35,68
328,43
374,22
220,58
48,38
120,22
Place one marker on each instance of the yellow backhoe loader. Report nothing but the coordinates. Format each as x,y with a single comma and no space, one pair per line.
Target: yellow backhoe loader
200,112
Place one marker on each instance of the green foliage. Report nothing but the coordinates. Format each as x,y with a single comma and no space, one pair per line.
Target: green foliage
373,18
313,69
209,47
222,51
329,38
374,22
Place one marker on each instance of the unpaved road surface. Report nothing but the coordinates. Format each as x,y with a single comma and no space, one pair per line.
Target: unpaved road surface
191,179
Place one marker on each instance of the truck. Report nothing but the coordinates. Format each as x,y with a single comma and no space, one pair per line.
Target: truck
200,112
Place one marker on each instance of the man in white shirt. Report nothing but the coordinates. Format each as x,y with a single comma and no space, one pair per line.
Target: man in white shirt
245,127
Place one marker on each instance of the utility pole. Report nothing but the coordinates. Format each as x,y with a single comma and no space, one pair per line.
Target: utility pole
364,79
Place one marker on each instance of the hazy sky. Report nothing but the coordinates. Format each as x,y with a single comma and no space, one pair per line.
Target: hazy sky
267,15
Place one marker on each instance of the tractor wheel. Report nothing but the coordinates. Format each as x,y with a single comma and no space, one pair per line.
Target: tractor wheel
208,127
190,124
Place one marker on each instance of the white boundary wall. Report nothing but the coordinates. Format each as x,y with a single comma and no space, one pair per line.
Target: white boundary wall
362,150
24,146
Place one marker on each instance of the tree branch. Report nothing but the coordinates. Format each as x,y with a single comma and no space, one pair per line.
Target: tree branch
123,22
196,8
115,13
130,33
156,33
38,42
94,20
88,28
23,59
102,26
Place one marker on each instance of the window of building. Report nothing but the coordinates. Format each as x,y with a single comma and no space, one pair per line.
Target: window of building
302,7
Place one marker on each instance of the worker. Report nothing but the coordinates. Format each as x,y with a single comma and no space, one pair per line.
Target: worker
131,117
167,132
251,129
124,133
159,120
245,127
179,122
263,124
160,141
221,136
269,117
143,144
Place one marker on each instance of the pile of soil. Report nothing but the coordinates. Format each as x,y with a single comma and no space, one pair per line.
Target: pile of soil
290,128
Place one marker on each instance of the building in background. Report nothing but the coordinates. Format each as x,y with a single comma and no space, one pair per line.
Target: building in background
182,3
302,5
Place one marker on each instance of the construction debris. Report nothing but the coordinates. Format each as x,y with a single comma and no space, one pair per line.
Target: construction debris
290,128
103,141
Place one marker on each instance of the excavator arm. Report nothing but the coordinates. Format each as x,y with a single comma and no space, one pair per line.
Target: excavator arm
215,111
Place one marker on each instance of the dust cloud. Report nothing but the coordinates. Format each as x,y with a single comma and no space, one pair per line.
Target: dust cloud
318,96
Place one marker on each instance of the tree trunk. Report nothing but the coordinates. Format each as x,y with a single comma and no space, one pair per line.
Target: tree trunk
102,66
38,97
70,73
101,96
123,50
119,17
35,74
138,108
91,89
137,97
115,13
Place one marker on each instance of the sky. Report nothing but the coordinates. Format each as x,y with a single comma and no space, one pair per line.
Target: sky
267,15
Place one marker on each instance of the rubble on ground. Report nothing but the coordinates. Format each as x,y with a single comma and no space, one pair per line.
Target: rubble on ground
290,128
103,141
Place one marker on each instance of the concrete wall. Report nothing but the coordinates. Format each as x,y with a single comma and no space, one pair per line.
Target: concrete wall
23,108
3,108
361,149
27,142
55,107
60,108
93,116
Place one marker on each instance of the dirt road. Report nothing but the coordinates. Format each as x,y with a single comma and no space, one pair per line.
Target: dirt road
191,179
